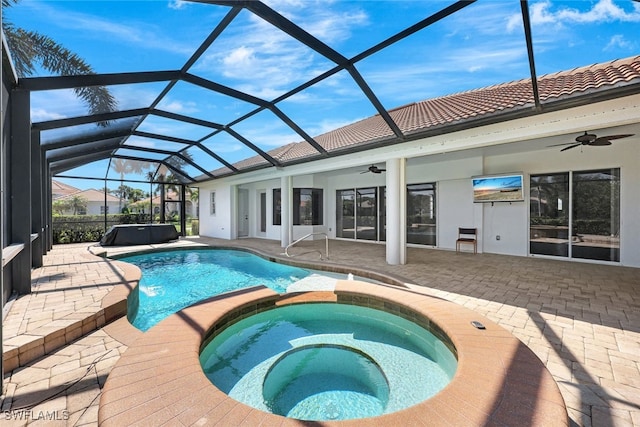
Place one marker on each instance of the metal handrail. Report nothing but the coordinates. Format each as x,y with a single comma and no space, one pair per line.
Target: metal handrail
326,239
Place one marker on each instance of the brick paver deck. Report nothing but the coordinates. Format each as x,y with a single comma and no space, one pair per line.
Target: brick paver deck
582,320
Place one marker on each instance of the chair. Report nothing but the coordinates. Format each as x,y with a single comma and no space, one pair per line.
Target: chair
467,236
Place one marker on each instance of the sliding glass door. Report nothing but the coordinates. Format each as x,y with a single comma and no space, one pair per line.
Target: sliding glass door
366,214
576,214
421,216
345,214
596,215
360,213
549,214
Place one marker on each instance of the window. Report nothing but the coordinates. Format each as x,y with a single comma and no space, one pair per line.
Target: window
361,214
263,212
212,203
277,206
307,206
104,209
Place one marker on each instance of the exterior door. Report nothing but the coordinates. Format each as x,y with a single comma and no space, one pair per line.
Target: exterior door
576,214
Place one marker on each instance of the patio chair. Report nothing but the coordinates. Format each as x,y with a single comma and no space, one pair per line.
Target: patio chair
467,236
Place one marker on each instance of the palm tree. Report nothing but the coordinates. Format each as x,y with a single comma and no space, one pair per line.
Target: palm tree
150,175
123,167
78,205
29,48
59,206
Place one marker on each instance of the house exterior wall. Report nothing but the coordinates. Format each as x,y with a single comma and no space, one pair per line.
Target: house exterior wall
623,154
219,224
93,208
451,160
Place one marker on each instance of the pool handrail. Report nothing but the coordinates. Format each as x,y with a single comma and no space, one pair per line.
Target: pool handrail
326,238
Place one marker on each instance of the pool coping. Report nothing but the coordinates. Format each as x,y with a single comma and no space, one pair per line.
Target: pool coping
499,380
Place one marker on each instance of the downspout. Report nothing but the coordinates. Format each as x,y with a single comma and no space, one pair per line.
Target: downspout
183,210
105,204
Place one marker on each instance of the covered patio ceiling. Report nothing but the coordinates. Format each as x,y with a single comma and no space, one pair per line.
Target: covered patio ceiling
194,145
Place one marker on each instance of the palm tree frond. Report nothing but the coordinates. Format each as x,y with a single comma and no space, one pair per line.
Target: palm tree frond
22,51
30,47
7,3
60,60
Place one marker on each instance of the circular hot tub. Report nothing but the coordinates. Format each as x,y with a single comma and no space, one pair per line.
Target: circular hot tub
160,379
328,361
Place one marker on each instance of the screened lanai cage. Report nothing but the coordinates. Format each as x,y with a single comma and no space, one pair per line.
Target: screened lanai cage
202,90
209,93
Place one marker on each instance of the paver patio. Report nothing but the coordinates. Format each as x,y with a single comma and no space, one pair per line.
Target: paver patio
582,320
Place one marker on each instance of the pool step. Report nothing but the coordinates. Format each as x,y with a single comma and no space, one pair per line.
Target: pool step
24,348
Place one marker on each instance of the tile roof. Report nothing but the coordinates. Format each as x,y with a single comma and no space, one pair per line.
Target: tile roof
462,107
59,188
91,195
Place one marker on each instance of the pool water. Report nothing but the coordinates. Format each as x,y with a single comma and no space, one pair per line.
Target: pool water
327,361
173,280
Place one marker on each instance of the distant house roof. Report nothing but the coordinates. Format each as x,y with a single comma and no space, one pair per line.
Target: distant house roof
169,196
59,189
463,108
91,195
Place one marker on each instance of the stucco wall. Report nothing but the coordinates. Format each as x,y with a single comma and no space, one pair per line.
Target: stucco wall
451,160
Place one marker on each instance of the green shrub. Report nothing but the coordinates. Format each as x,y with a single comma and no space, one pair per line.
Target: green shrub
89,228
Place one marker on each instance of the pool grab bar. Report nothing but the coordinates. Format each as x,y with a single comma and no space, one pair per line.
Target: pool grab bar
326,243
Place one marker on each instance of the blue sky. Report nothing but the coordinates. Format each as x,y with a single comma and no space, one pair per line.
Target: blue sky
479,46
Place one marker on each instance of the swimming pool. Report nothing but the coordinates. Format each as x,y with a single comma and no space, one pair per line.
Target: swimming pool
173,280
328,361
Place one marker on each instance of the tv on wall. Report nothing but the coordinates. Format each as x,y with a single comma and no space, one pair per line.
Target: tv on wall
498,188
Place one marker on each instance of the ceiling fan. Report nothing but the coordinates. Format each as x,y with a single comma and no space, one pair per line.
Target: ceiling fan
591,139
374,169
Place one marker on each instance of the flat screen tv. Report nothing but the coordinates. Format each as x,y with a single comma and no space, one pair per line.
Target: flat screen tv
498,188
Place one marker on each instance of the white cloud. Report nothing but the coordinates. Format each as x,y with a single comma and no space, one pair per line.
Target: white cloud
327,20
180,107
136,96
601,12
261,60
225,147
136,141
241,57
177,4
514,22
140,33
56,104
328,125
619,41
42,115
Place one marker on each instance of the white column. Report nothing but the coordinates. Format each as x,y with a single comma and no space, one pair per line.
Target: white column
396,211
286,224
